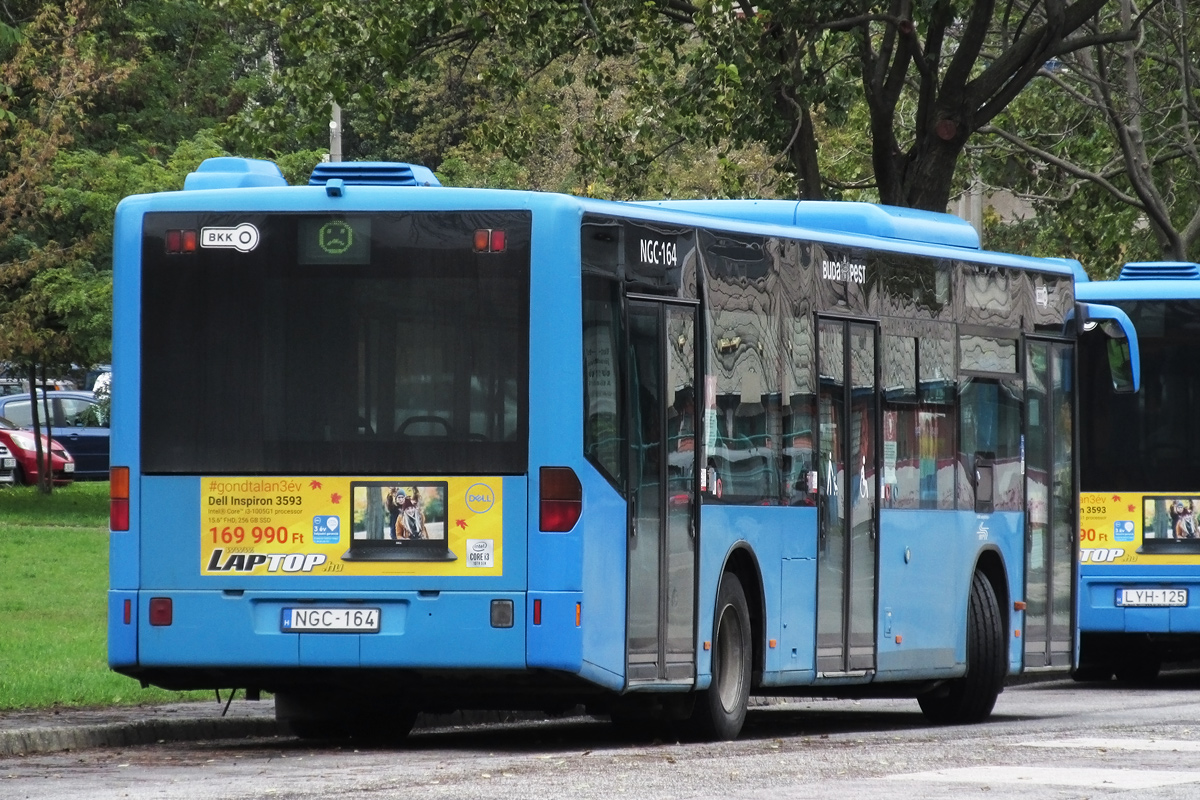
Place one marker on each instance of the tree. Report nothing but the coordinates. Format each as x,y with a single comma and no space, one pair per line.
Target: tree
729,74
1117,126
50,73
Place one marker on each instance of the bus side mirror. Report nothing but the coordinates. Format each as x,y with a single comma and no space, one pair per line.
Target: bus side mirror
1122,346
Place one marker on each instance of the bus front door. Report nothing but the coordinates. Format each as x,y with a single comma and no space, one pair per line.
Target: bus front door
848,490
663,473
1050,504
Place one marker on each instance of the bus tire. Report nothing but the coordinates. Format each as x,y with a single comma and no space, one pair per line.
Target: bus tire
720,709
972,697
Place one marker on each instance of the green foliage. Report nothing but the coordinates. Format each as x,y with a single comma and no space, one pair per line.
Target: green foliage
1104,143
53,599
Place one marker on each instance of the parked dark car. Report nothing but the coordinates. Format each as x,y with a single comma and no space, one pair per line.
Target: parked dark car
20,443
77,421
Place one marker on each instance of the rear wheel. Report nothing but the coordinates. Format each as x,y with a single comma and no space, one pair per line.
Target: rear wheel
972,697
720,710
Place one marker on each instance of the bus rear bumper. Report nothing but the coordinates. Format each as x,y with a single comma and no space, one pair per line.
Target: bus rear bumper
1099,612
417,630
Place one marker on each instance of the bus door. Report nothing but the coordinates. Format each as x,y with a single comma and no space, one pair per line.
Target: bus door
663,474
847,483
1050,503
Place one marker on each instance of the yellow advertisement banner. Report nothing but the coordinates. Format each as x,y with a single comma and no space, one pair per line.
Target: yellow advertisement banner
351,526
1138,528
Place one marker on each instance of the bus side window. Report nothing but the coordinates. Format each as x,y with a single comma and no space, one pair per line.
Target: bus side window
985,500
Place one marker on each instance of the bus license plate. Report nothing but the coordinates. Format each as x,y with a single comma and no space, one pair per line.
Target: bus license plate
1152,597
330,620
10,463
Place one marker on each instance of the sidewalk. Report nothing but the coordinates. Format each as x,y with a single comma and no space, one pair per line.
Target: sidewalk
50,730
53,730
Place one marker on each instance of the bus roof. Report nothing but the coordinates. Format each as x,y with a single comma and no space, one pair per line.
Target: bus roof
1146,280
240,184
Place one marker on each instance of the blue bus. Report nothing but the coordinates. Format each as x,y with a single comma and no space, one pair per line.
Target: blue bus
383,447
1140,482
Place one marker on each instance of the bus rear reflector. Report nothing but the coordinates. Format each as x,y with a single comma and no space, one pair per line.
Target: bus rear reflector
561,502
161,612
118,499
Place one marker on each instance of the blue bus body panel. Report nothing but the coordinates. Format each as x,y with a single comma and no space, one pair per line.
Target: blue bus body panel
1099,612
417,630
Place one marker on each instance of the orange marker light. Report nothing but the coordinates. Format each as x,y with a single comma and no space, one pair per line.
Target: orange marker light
118,498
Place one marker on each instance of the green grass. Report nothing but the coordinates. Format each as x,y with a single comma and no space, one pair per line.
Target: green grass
53,606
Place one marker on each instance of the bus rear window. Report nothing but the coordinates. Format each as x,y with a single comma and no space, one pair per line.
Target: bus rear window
365,344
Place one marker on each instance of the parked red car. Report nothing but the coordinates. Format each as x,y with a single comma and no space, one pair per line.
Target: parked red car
21,444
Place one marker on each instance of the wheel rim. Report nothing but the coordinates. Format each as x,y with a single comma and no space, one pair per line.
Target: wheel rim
729,654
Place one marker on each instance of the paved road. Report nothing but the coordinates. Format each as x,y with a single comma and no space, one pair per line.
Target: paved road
1052,740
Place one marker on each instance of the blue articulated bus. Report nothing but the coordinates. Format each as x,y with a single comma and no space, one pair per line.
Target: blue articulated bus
384,447
1139,593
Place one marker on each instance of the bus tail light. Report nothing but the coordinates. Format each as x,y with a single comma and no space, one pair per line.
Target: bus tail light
161,612
490,240
118,499
561,499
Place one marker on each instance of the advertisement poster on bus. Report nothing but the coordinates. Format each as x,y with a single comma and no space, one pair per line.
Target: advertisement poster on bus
351,526
1138,528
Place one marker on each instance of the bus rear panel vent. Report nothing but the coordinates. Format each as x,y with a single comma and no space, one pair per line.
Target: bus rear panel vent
1158,270
373,173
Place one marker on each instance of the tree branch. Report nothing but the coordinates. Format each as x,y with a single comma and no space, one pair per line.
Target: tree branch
1064,165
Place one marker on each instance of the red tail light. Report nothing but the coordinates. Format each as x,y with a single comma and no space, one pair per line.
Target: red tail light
561,499
161,612
118,499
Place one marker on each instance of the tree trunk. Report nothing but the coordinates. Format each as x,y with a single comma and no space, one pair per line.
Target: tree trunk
41,458
804,160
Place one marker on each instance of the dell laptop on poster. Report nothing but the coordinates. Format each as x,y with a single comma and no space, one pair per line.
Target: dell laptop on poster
395,521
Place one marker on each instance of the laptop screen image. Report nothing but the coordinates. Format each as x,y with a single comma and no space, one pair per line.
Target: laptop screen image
395,521
1170,524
